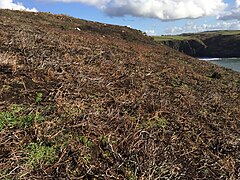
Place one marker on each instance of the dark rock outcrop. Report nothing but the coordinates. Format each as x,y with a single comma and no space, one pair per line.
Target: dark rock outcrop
190,47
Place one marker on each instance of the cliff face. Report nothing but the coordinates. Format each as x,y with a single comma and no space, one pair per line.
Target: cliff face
190,47
208,45
221,46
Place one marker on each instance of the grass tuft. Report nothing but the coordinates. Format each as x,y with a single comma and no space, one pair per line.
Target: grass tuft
40,155
17,117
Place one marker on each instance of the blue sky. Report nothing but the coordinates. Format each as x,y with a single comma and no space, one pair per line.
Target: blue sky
156,17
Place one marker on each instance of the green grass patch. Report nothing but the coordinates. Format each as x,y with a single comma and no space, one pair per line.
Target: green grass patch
222,32
39,97
156,121
178,38
195,36
40,155
171,38
85,141
4,174
17,116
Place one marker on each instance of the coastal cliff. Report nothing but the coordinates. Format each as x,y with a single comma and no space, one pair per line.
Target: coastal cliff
206,44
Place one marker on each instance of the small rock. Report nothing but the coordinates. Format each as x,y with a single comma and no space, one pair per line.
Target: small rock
78,29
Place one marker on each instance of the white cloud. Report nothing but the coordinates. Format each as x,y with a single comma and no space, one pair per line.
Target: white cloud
191,27
160,9
151,32
9,4
238,3
232,14
233,23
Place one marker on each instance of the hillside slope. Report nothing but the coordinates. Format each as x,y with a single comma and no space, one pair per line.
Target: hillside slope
206,44
106,102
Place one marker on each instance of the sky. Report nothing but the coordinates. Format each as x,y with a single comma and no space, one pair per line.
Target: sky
155,17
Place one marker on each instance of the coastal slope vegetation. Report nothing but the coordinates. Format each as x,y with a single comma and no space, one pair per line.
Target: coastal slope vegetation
84,100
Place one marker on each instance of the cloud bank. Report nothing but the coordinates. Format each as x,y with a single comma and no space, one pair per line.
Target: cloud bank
232,14
9,4
160,9
191,27
150,32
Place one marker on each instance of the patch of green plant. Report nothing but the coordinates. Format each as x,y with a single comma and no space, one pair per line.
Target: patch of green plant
6,88
25,121
87,158
48,108
106,154
156,121
222,32
39,97
131,174
4,174
161,122
10,118
132,177
72,110
40,155
85,141
6,118
103,139
133,119
16,117
173,37
178,38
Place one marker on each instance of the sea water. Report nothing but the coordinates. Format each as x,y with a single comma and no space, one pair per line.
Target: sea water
231,63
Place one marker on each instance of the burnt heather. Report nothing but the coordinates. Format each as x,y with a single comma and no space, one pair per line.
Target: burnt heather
84,100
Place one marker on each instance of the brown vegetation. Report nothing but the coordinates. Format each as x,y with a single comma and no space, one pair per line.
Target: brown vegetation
107,102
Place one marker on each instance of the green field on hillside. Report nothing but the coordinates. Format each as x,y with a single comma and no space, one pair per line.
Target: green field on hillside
195,36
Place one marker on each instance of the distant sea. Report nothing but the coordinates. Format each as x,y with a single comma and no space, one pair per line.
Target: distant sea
231,63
